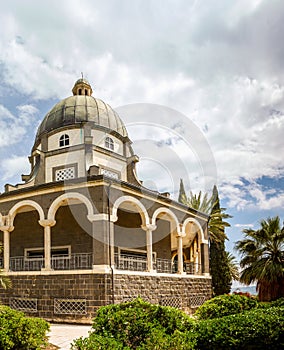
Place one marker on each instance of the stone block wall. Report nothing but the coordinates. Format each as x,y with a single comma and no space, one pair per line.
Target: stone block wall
74,298
70,298
185,293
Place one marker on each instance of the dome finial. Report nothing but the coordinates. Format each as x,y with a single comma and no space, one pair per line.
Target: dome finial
82,87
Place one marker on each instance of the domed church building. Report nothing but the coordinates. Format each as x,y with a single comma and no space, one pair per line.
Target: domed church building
81,231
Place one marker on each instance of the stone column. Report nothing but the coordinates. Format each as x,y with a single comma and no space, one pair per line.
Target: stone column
47,224
103,251
205,258
180,253
149,244
6,244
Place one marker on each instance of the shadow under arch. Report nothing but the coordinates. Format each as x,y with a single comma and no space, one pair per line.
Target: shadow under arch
130,218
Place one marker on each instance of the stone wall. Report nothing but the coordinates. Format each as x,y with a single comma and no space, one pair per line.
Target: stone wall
185,293
74,298
70,298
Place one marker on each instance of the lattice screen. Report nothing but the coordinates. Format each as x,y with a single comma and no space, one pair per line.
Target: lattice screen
65,174
171,301
196,300
70,306
109,173
24,304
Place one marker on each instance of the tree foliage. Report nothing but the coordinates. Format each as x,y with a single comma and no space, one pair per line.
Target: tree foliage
219,263
262,260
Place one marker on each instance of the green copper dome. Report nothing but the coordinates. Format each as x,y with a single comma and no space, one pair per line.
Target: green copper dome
81,108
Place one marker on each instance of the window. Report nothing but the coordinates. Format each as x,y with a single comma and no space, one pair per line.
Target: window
65,174
109,143
38,253
64,140
109,173
61,173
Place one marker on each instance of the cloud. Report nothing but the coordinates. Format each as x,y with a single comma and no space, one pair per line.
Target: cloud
220,63
14,166
244,225
13,128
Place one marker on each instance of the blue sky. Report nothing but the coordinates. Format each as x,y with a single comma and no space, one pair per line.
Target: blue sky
219,64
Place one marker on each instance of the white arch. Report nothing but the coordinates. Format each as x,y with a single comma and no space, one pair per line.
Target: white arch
14,210
139,206
168,212
203,240
70,195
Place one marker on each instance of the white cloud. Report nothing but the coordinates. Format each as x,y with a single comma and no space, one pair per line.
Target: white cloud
13,167
14,127
244,225
220,63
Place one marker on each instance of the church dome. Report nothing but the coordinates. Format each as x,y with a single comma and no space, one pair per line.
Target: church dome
81,108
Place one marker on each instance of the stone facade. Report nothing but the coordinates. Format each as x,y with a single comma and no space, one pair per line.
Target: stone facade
74,298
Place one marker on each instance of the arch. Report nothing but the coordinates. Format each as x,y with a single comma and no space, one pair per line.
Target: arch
188,220
26,203
137,204
168,212
68,196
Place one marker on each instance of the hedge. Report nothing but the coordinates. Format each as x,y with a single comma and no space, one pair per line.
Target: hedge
18,332
225,305
254,329
138,325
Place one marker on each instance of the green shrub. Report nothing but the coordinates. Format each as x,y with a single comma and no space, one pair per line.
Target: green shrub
18,332
98,342
254,330
225,305
278,302
139,325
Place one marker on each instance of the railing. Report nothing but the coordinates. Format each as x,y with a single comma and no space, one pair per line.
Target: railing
139,263
20,263
78,261
130,262
165,266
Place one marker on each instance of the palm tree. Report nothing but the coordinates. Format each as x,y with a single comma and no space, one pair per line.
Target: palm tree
5,281
210,205
262,260
219,268
233,266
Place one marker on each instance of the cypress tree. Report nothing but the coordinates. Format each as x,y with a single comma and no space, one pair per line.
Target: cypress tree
219,265
182,195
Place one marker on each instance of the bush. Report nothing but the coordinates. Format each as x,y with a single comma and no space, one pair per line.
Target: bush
18,332
139,325
255,329
225,305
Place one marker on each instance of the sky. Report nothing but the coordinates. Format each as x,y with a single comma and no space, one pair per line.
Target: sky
217,66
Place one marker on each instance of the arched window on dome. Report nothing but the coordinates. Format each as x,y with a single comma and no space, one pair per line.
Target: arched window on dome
64,140
109,143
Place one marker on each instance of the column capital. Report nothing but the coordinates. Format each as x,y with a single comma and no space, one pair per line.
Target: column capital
47,222
98,217
149,227
7,228
180,234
